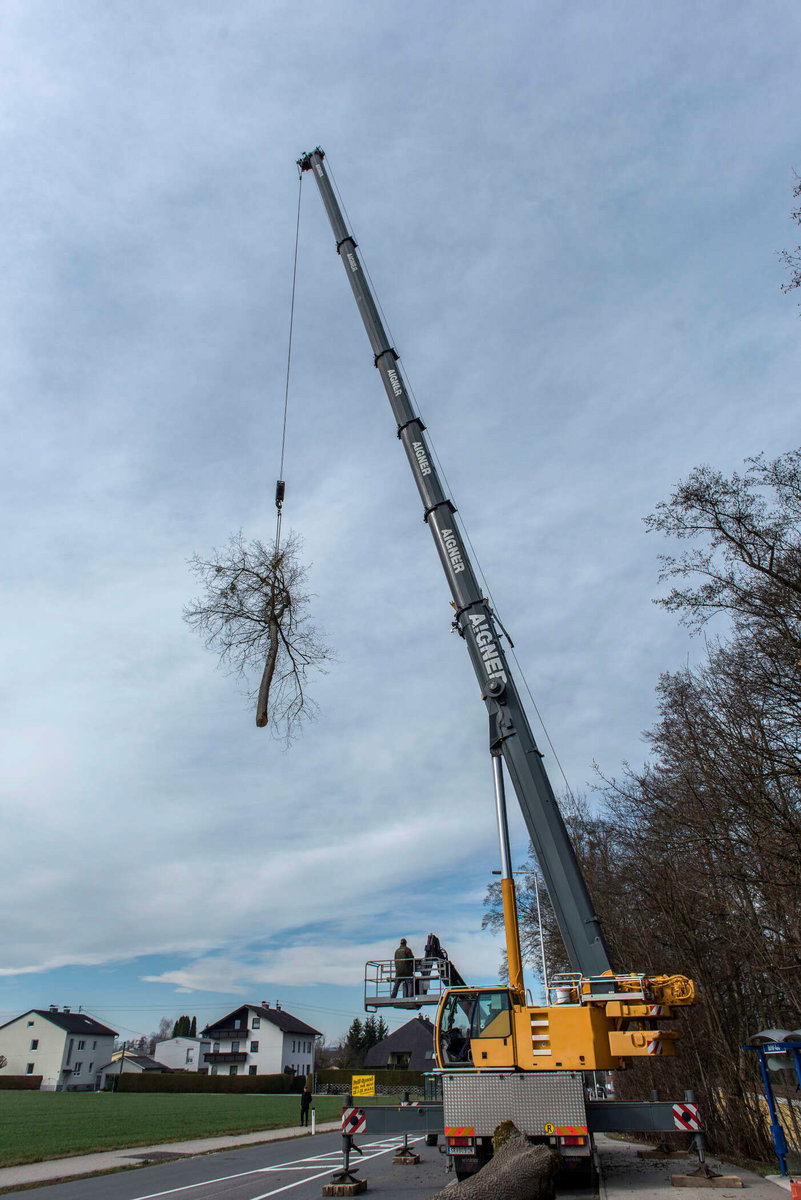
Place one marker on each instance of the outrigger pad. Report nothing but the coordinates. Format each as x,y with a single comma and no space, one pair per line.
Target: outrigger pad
710,1181
406,1158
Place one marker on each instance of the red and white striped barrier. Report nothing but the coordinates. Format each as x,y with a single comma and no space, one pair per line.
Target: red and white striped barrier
354,1121
685,1116
655,1046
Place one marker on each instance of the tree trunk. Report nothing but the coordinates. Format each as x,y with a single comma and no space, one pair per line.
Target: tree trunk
267,677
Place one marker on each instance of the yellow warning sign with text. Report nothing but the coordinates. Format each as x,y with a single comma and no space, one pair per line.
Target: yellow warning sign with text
362,1085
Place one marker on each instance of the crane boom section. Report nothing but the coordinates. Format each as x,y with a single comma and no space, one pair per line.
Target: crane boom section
578,923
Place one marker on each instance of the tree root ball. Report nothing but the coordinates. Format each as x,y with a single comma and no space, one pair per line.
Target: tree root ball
518,1171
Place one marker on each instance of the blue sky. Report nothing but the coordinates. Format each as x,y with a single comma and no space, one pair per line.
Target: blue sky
571,214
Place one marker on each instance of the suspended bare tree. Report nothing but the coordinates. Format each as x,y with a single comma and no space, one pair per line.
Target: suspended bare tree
254,611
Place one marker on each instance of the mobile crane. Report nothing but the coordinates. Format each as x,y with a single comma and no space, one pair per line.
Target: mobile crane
489,1041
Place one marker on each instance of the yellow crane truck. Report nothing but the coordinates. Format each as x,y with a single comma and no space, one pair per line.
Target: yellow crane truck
499,1057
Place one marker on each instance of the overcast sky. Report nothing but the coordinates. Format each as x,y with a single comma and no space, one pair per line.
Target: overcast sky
571,214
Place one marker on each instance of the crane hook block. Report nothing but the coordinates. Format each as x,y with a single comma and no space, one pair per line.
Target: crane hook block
280,491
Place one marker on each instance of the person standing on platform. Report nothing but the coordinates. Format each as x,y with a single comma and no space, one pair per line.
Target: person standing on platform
404,970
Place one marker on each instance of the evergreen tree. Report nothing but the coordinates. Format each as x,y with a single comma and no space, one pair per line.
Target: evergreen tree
193,1028
353,1048
369,1034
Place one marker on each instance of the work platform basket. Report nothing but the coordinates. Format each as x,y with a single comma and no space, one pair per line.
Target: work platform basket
431,979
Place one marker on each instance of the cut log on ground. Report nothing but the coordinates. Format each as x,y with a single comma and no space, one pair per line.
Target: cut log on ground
519,1171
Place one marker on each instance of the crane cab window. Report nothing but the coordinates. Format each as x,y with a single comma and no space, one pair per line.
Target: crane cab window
469,1015
493,1017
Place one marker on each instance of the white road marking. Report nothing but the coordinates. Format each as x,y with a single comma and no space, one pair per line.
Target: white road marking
378,1148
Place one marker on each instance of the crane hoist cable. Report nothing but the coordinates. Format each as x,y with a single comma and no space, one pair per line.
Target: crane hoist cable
280,486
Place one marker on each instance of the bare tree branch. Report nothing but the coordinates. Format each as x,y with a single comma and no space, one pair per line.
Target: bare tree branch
254,611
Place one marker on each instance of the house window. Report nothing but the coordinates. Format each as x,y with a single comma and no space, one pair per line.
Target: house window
216,1048
76,1070
29,1068
233,1070
30,1023
254,1047
234,1047
252,1070
293,1047
214,1070
94,1045
81,1045
35,1044
91,1064
255,1025
190,1054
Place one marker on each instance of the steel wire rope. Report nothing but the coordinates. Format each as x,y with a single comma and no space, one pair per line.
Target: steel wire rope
457,516
279,493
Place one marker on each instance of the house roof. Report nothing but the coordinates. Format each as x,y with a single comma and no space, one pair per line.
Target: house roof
140,1060
192,1041
277,1016
416,1038
69,1021
145,1062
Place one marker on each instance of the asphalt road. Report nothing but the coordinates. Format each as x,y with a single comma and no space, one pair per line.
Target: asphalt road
294,1169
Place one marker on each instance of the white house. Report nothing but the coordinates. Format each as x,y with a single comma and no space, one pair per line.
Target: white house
129,1064
67,1049
258,1040
183,1053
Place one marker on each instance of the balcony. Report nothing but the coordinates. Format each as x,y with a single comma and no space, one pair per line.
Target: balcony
226,1056
225,1035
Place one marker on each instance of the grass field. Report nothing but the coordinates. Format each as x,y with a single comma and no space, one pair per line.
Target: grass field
40,1125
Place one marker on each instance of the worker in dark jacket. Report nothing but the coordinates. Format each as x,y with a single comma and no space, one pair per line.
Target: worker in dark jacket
305,1105
404,970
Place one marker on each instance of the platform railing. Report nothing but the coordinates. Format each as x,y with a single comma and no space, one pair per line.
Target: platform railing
384,988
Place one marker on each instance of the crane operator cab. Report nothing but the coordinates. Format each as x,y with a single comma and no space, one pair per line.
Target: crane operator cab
474,1029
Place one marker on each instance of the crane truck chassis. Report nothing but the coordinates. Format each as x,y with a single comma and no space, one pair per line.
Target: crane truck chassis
500,1058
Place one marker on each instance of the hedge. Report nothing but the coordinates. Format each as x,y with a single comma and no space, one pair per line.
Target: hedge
20,1083
384,1076
192,1081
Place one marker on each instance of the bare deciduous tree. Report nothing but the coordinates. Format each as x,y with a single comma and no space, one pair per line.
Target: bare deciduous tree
792,258
254,611
693,861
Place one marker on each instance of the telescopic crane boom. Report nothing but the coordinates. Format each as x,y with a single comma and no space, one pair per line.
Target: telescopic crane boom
499,1057
511,732
596,1017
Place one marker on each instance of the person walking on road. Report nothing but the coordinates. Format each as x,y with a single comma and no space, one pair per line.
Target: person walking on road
404,970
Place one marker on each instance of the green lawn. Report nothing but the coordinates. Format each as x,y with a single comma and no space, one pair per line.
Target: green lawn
40,1125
